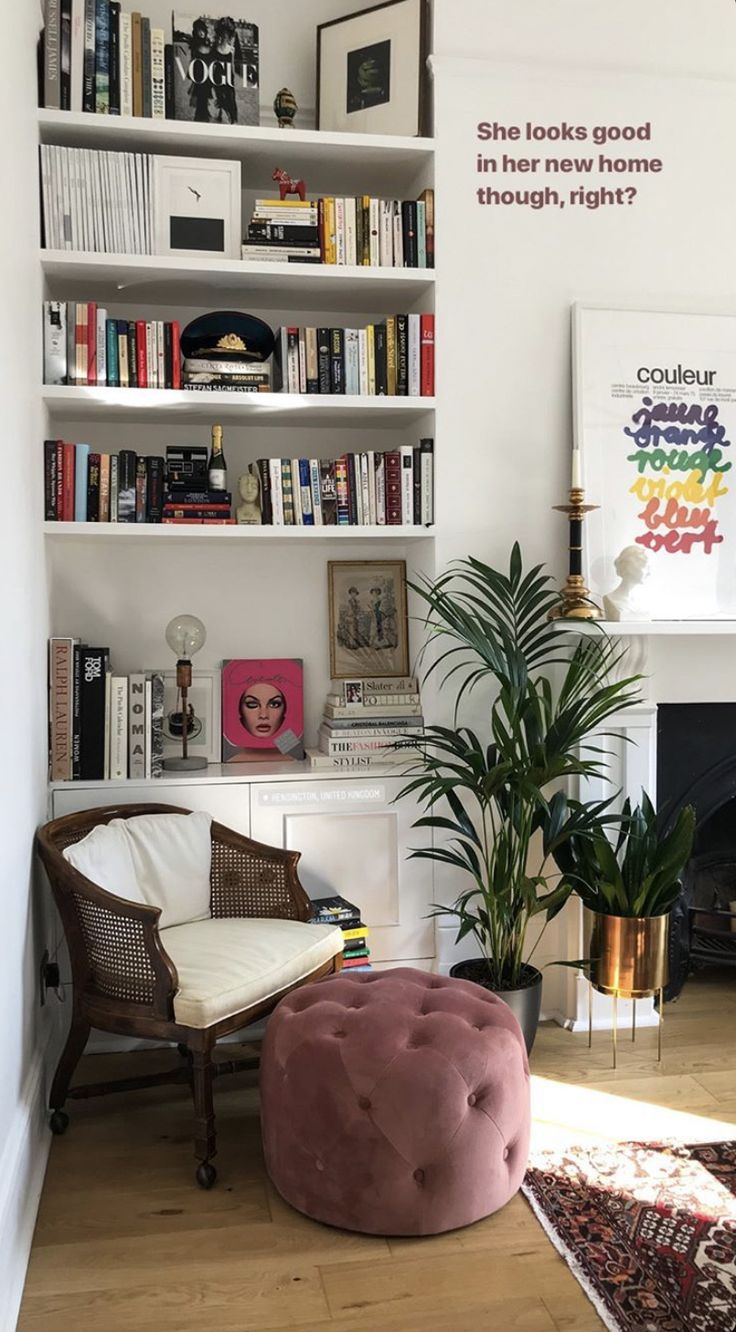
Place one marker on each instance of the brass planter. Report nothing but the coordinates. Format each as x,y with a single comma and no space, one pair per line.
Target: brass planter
629,954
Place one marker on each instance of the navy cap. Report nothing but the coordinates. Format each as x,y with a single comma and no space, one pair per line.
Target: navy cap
228,335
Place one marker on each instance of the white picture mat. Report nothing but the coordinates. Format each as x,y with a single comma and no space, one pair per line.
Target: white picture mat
399,24
204,695
218,182
610,347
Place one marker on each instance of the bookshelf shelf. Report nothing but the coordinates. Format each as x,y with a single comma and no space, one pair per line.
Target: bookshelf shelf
157,279
158,532
67,403
335,156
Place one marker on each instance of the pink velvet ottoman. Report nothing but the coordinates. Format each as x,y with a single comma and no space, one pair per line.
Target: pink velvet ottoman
395,1102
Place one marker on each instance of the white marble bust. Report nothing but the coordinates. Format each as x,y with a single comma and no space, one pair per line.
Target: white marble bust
626,601
249,487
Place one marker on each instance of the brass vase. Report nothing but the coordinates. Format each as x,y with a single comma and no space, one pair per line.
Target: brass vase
629,954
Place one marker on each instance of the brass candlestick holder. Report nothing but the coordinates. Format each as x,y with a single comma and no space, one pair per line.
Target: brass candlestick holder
575,599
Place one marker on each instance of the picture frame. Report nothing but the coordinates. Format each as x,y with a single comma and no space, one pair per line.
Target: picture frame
197,207
204,699
655,422
371,70
262,709
368,620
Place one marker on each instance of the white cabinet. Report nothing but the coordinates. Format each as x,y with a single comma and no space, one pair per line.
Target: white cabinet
226,803
355,841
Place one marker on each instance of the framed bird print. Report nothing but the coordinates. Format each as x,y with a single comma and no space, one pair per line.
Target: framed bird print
196,207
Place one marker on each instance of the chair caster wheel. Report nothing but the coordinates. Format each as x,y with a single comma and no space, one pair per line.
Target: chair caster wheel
183,1050
206,1175
59,1122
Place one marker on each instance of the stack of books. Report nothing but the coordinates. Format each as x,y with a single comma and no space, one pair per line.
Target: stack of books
354,490
367,232
82,346
377,720
392,357
205,375
96,201
84,486
337,911
283,229
101,725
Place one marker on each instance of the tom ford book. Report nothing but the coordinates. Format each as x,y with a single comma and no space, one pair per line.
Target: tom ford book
216,69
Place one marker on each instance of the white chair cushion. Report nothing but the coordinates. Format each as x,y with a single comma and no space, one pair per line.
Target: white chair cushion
161,860
226,965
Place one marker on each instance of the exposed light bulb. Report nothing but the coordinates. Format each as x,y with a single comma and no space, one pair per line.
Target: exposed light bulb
185,635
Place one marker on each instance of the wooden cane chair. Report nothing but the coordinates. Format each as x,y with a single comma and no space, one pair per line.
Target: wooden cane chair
125,982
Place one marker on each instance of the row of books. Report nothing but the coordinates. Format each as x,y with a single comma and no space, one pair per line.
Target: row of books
394,357
98,202
338,911
369,721
95,56
81,345
363,231
356,489
85,486
101,725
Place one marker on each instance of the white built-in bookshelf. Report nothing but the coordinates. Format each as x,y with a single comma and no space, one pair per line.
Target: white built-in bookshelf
262,591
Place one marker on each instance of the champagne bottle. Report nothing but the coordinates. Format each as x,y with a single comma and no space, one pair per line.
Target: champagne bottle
217,467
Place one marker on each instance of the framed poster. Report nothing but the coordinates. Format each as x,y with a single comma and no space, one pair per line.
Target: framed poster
369,629
203,711
262,709
655,420
371,76
196,207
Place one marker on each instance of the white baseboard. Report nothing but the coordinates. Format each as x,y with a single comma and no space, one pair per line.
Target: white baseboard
22,1169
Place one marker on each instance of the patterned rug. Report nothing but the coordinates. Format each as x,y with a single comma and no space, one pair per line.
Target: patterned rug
648,1229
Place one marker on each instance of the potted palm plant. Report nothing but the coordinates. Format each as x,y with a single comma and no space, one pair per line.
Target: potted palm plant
628,888
492,795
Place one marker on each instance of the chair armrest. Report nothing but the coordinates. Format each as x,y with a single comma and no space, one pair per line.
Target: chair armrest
118,950
251,879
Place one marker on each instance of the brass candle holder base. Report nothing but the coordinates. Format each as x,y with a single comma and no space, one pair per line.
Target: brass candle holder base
575,602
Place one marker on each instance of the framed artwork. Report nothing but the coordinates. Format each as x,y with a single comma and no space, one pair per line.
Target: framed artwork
203,710
369,628
262,709
655,420
371,75
196,207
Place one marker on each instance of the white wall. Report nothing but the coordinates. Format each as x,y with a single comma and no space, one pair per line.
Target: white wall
507,276
24,926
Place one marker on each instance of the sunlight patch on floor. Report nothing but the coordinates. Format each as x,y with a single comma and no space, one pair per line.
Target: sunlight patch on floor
563,1112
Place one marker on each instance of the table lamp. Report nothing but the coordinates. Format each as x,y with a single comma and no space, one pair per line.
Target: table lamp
185,635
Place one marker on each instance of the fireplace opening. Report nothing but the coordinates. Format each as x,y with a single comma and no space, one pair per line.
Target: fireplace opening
696,765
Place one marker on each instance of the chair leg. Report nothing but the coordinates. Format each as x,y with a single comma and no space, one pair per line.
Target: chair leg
71,1054
203,1069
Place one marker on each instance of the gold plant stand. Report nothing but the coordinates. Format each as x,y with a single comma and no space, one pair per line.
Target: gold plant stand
629,961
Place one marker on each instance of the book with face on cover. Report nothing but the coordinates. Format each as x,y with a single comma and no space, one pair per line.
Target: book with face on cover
216,69
262,710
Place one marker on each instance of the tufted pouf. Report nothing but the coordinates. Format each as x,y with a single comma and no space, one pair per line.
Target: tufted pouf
395,1102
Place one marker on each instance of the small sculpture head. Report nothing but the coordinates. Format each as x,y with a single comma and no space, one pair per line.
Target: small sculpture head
633,564
249,486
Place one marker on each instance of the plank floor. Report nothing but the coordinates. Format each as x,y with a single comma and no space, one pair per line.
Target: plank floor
125,1242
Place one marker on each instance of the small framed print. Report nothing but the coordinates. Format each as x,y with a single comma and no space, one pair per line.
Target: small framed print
369,628
203,715
371,75
196,207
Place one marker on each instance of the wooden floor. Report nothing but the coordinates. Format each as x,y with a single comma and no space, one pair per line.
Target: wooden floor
125,1242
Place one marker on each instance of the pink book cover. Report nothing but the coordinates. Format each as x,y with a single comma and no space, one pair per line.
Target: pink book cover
262,709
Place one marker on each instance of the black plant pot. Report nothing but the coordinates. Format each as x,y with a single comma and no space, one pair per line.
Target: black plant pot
525,1002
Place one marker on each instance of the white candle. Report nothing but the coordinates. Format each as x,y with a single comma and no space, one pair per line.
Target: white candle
577,470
